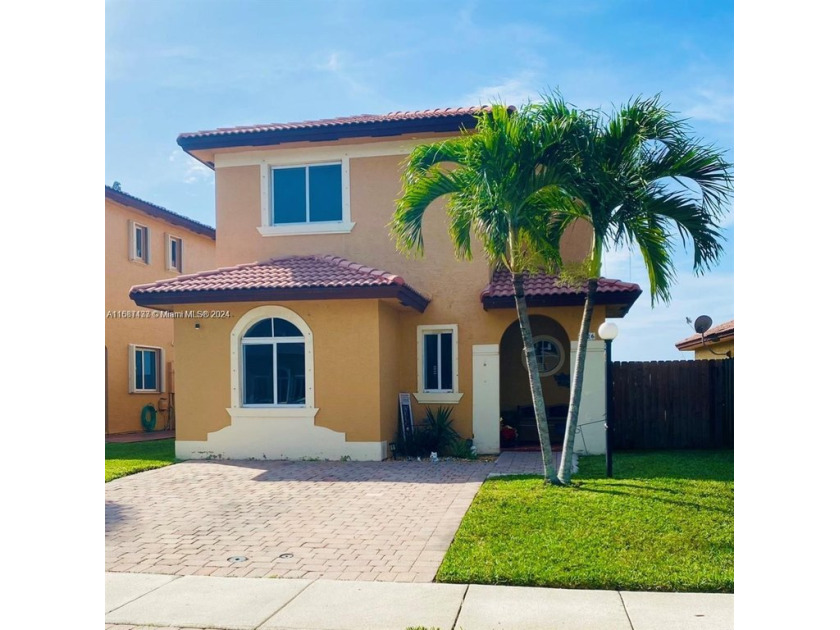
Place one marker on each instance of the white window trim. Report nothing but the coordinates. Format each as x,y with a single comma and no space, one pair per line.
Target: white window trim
266,228
560,351
132,243
236,371
436,397
170,264
132,373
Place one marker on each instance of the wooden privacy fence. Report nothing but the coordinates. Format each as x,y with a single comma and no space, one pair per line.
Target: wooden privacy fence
673,404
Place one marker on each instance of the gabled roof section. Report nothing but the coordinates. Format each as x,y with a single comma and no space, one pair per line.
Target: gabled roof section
715,334
281,279
363,125
546,290
158,212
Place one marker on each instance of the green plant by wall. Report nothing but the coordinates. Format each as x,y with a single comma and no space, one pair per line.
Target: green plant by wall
462,449
437,432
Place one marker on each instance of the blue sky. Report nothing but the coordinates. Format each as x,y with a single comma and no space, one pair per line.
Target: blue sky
179,66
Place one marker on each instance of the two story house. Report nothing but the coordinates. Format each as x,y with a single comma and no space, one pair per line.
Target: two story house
300,342
143,242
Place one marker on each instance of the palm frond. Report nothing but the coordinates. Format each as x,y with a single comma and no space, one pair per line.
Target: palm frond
418,193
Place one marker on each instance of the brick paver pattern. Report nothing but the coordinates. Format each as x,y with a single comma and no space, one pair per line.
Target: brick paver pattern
383,521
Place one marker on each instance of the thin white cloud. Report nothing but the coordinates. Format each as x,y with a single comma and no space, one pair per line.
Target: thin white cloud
712,105
515,90
332,64
190,170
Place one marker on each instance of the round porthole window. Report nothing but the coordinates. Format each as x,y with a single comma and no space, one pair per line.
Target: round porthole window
550,355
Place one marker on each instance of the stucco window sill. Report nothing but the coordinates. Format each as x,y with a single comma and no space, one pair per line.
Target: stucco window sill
300,229
433,398
273,412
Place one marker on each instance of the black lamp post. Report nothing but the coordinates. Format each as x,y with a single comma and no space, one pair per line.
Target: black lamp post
609,331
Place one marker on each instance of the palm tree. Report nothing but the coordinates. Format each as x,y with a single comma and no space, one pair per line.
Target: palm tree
641,180
500,193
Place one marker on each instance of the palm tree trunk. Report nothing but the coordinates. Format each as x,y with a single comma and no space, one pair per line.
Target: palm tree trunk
550,474
577,385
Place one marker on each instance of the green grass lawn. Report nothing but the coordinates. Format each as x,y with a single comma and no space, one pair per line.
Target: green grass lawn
134,457
664,522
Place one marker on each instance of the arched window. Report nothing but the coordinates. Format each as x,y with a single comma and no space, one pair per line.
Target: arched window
274,364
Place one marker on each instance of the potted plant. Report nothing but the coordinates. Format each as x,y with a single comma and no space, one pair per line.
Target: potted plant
507,434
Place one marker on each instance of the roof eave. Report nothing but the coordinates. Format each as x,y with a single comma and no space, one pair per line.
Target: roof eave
711,340
618,305
260,138
406,295
129,201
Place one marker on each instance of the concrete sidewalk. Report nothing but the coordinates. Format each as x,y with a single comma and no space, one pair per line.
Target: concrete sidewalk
135,600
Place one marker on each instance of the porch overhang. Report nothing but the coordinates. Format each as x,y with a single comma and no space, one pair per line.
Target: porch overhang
547,290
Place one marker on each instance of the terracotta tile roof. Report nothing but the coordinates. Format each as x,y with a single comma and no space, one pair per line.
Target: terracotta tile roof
713,335
343,121
158,212
288,278
546,290
451,119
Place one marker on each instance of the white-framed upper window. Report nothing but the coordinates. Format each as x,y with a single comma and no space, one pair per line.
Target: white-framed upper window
273,364
138,242
437,364
306,198
550,355
174,253
146,369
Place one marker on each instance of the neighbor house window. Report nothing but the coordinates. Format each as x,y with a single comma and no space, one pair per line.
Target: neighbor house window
174,253
550,355
437,364
273,364
306,194
138,242
305,198
146,369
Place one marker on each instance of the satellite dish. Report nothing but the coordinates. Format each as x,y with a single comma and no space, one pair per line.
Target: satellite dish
702,324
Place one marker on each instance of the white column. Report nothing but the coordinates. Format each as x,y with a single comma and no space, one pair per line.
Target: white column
486,398
591,438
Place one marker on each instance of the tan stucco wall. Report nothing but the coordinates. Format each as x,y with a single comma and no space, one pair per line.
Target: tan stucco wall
346,346
123,409
390,355
721,349
475,327
364,355
374,186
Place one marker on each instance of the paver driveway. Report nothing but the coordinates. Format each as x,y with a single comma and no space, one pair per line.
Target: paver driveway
384,521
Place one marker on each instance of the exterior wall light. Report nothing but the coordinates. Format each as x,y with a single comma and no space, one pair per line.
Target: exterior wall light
609,331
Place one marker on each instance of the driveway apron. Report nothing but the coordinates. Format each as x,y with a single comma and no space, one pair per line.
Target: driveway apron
382,521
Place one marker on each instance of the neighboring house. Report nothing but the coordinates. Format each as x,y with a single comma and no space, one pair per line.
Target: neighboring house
143,242
717,343
299,345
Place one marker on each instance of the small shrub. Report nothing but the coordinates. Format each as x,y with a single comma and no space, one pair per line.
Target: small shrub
434,435
424,442
437,432
462,449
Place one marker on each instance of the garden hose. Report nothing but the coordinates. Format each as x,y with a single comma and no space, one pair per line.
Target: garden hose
148,417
